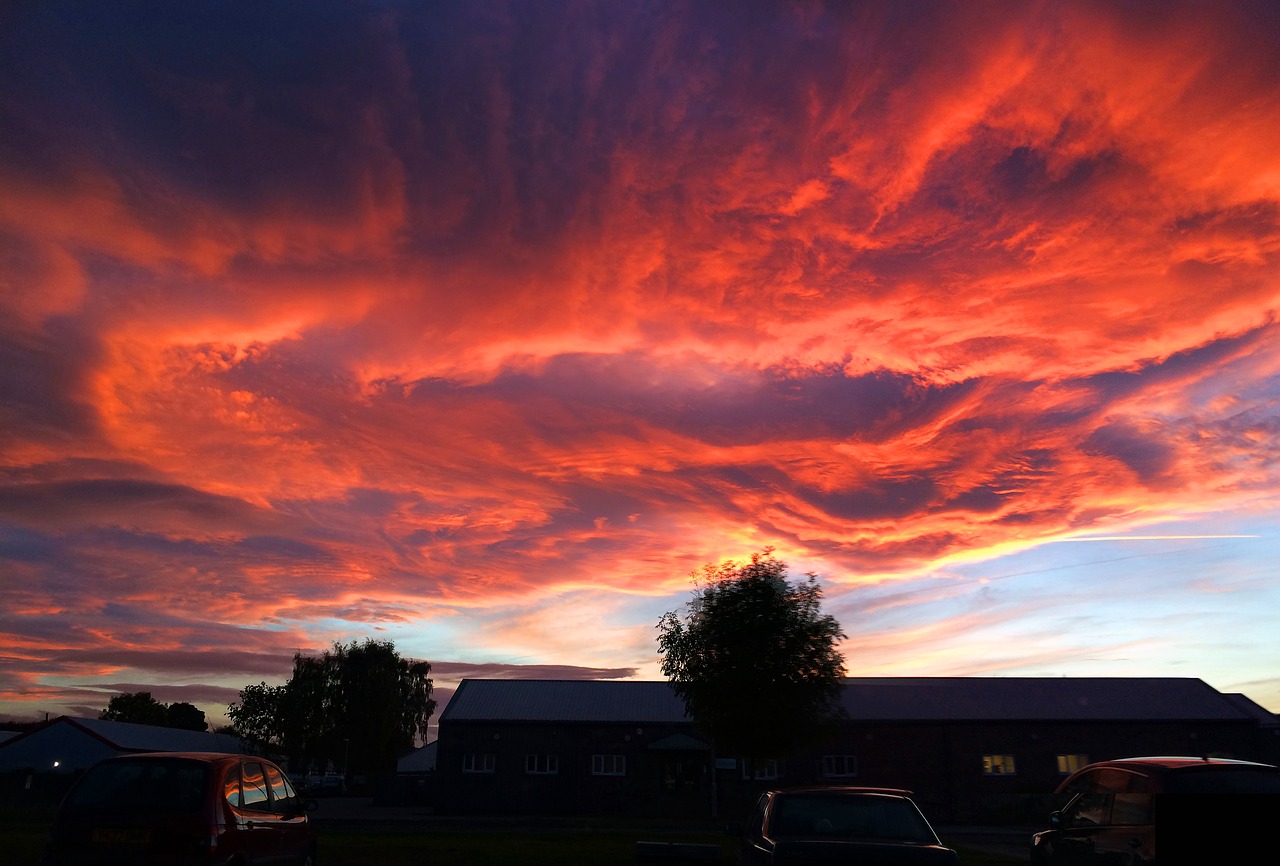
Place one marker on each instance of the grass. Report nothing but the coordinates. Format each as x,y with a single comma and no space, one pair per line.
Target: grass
530,848
22,840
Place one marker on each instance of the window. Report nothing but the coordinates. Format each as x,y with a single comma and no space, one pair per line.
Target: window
1131,809
281,794
482,762
839,766
231,786
1087,810
752,769
998,765
150,785
608,765
254,787
1068,764
541,765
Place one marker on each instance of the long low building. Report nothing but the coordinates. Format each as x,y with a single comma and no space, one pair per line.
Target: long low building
970,748
41,763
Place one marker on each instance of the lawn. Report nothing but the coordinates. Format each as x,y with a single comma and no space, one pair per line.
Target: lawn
21,840
456,847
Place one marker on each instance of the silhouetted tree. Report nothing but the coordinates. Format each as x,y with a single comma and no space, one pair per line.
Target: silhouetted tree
185,716
137,707
357,706
753,658
259,716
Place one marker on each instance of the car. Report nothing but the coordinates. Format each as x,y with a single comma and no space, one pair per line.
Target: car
182,808
1117,808
872,826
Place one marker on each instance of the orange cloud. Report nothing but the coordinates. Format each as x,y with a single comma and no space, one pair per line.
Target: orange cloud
444,324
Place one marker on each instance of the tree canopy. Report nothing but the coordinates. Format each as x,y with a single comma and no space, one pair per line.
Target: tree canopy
143,709
186,716
753,657
357,707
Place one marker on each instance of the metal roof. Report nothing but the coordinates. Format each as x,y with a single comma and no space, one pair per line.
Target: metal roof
421,760
1036,699
564,700
129,737
865,699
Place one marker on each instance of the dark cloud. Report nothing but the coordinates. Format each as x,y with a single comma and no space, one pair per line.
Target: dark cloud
108,499
42,390
192,693
327,317
203,662
1144,450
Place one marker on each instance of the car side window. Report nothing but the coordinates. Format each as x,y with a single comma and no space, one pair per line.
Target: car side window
231,785
1131,809
1087,810
281,793
755,829
254,788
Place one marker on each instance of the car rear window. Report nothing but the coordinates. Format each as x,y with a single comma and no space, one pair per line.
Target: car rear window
169,786
1224,780
858,816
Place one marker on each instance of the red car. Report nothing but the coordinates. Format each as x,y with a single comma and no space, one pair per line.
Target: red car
1215,807
164,808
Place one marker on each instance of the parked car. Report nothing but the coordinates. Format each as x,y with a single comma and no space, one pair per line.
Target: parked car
871,826
1117,808
182,807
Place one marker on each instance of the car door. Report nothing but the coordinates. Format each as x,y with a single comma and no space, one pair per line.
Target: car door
756,849
1073,844
1108,823
1128,838
261,825
288,811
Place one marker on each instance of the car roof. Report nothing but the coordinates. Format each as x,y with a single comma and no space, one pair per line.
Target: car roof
1178,762
206,757
841,789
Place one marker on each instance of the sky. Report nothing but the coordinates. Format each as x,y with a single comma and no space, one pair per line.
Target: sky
478,327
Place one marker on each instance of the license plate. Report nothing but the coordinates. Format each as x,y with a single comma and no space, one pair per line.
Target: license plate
121,836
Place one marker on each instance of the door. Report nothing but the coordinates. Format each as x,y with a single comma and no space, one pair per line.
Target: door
287,810
263,833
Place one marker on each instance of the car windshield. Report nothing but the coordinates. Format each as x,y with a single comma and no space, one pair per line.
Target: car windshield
169,786
850,816
1224,780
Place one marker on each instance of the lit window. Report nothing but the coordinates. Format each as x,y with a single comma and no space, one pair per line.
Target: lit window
542,765
1068,764
839,766
608,765
752,769
483,762
998,765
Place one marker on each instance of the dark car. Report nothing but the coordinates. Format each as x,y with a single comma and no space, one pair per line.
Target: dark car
866,826
1116,809
164,808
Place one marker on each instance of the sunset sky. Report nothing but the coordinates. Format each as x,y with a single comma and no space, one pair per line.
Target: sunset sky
479,326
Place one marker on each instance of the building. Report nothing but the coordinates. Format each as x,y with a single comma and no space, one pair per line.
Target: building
40,764
971,749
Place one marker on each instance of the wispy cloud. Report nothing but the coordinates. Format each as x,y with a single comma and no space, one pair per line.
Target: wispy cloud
482,326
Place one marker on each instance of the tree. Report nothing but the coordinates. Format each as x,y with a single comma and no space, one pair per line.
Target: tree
357,707
754,659
137,707
258,715
142,709
185,716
